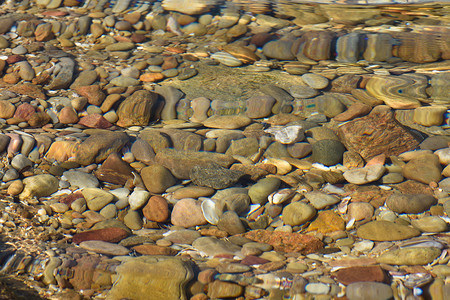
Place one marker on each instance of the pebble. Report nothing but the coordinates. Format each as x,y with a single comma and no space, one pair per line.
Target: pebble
121,120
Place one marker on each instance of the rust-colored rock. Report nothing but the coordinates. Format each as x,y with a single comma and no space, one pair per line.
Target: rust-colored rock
327,221
93,93
157,209
111,235
359,274
92,272
24,111
95,121
62,150
69,199
44,33
148,249
7,109
115,170
68,115
28,89
377,133
286,241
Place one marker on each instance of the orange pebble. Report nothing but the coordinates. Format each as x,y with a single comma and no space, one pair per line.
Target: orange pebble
151,77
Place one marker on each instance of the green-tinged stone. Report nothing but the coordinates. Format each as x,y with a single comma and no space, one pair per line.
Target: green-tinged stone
410,256
152,278
386,231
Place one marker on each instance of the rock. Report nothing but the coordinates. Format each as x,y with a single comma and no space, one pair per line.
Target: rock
386,231
287,134
227,122
21,163
214,176
410,203
368,291
68,115
355,110
193,192
315,81
115,170
243,147
111,235
361,274
364,175
187,213
147,249
317,288
143,152
425,168
214,247
171,97
99,146
222,289
298,213
28,89
260,191
226,59
280,50
349,47
375,134
402,92
152,278
379,47
328,152
360,211
157,178
180,163
39,186
183,236
195,7
64,78
93,93
80,179
104,248
96,198
430,224
326,222
259,106
283,98
133,220
231,223
138,198
329,104
410,256
429,115
321,200
156,209
7,109
137,109
285,241
200,107
85,78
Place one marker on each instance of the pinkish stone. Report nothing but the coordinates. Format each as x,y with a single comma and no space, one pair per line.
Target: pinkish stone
188,213
24,111
95,121
355,110
361,274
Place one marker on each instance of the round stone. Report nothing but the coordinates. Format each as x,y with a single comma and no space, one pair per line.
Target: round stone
328,152
298,213
315,81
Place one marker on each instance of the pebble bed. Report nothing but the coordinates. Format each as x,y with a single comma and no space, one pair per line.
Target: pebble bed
164,150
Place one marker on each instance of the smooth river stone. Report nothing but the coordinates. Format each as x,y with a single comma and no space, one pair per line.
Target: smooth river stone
298,213
315,81
200,107
379,47
410,203
104,248
187,213
368,291
349,47
213,246
386,231
416,47
259,106
328,152
97,147
226,59
137,109
376,133
430,115
318,44
171,97
430,224
440,89
180,163
410,256
399,92
364,175
227,122
157,178
426,169
280,50
260,191
96,198
39,186
214,176
152,278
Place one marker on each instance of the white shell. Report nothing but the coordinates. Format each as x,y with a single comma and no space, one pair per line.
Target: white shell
281,196
226,59
209,211
287,134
